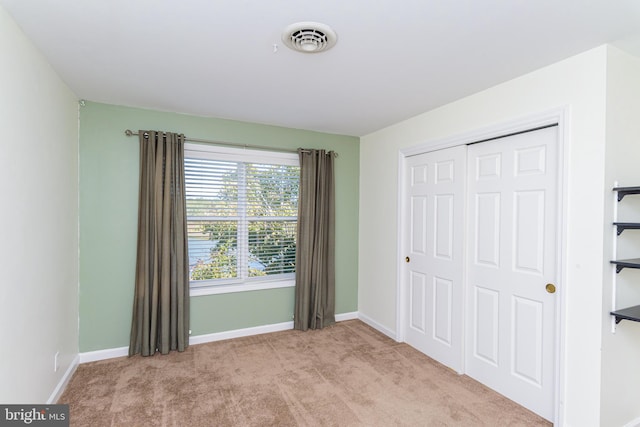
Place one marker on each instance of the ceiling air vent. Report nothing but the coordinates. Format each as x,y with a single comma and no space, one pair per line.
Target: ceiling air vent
309,37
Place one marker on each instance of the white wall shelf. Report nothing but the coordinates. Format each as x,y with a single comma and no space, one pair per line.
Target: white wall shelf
630,313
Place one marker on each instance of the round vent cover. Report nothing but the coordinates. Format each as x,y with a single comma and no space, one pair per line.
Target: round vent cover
309,37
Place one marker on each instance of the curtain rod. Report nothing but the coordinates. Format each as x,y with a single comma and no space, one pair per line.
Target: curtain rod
128,132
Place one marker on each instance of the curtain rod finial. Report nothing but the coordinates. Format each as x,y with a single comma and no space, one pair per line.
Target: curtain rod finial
128,132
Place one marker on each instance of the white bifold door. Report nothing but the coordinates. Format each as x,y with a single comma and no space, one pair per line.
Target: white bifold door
481,239
434,206
511,269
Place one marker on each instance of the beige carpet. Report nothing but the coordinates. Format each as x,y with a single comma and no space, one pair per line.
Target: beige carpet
344,375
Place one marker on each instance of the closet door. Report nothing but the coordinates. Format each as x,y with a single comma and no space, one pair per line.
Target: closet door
511,267
433,240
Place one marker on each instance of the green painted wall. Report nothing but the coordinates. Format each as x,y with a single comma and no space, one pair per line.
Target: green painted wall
108,222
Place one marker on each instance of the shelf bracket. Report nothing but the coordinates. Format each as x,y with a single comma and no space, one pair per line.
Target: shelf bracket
623,191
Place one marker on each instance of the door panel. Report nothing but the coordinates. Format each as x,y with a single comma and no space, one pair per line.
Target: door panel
529,231
487,224
512,223
434,293
527,340
418,225
486,333
417,298
442,307
443,226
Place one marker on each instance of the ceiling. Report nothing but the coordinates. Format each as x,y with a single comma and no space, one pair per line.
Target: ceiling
394,59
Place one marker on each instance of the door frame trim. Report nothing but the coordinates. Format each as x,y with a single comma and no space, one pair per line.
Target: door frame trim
559,116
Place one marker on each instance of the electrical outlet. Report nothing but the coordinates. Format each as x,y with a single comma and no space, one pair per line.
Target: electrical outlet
55,361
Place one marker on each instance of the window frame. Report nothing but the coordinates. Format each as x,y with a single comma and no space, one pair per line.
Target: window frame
223,153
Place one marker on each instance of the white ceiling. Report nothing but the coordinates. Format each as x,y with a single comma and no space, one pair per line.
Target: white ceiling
394,58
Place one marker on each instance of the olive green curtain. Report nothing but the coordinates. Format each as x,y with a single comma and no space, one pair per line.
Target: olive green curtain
161,302
315,246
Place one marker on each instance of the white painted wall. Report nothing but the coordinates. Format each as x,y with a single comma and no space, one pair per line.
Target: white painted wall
38,221
578,83
621,351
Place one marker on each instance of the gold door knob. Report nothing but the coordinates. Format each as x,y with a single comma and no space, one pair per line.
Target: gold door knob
551,288
407,259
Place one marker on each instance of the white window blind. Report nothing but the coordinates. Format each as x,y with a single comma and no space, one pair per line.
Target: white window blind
241,215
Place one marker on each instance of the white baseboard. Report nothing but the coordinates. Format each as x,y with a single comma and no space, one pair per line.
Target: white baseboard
346,316
634,423
238,333
62,384
377,326
92,356
109,353
257,330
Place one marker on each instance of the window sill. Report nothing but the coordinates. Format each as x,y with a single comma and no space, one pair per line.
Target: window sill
197,291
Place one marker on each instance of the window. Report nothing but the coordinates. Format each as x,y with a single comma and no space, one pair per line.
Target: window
242,208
